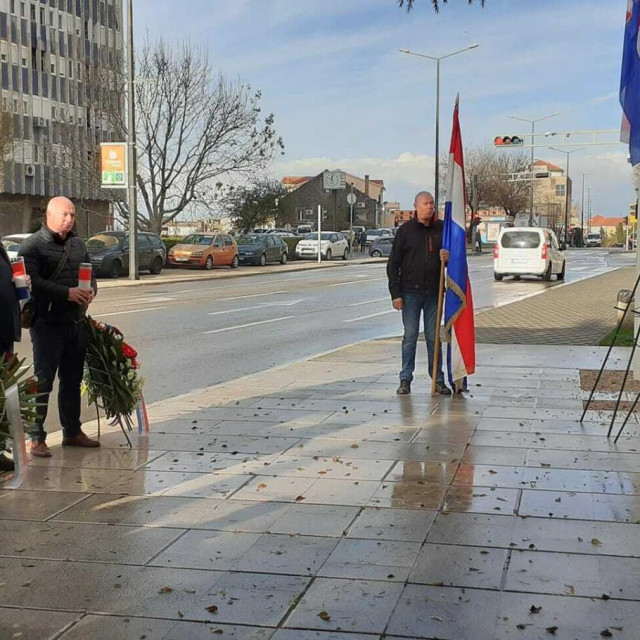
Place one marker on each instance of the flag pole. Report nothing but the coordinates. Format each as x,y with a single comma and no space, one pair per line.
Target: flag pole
436,346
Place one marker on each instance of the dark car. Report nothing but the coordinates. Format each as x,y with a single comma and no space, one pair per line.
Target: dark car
262,248
381,247
109,252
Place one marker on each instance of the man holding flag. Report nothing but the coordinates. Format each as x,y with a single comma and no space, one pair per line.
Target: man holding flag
458,306
413,270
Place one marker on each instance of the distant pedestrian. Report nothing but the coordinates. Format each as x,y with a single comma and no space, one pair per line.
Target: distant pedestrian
363,240
478,241
413,270
52,258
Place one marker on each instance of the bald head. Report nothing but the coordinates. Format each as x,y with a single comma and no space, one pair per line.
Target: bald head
60,215
425,207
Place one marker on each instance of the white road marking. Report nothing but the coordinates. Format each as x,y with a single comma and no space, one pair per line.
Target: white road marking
250,324
357,304
253,295
341,284
371,315
264,305
120,313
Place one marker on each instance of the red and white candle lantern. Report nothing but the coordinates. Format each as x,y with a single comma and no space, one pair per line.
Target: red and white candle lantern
84,275
20,278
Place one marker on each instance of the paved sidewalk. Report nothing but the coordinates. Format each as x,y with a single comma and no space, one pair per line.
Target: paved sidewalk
580,313
311,502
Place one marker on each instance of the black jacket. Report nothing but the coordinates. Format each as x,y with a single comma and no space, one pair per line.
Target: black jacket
9,304
414,263
42,252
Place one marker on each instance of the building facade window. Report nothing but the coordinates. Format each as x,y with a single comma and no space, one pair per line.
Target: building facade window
560,191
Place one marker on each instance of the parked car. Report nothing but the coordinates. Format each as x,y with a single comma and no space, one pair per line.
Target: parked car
528,251
304,229
593,240
375,234
109,252
262,248
12,243
205,250
332,244
381,247
283,233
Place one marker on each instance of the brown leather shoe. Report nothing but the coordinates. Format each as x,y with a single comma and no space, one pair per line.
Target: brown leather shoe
40,450
81,440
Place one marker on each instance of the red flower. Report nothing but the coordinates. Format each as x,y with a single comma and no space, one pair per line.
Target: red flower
31,386
128,351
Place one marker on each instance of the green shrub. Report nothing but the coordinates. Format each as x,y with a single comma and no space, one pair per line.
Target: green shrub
171,241
292,243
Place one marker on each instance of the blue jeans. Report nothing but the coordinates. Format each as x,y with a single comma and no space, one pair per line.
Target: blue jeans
415,305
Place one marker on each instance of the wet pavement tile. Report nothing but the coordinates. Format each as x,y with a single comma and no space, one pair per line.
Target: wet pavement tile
445,612
573,618
37,625
328,604
340,492
63,479
627,483
581,506
97,459
158,511
274,488
200,462
299,634
476,499
408,495
284,554
220,443
214,550
242,515
422,471
505,456
371,560
487,475
594,461
90,542
404,525
109,588
248,598
315,520
35,505
578,536
119,628
207,485
561,574
324,467
154,483
472,529
458,566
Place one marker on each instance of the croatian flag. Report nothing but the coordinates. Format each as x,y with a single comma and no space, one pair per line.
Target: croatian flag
458,302
630,82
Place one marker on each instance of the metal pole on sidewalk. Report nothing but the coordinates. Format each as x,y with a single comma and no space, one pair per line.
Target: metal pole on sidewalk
131,151
319,232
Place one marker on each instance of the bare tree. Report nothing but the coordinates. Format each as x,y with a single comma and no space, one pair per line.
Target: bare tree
511,195
436,4
192,130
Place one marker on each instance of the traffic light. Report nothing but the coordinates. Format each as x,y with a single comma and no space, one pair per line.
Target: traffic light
508,141
626,221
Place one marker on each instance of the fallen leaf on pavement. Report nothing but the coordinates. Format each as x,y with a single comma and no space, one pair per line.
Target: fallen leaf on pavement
212,609
323,615
166,590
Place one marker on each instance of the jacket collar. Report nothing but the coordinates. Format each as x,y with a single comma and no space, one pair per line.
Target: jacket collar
56,237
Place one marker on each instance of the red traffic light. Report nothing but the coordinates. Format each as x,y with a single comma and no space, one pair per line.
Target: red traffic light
504,141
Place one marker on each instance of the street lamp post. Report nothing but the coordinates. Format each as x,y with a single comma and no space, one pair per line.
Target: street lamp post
437,59
533,130
584,173
567,197
589,201
131,150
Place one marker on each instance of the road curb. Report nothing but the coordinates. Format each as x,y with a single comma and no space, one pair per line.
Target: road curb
226,275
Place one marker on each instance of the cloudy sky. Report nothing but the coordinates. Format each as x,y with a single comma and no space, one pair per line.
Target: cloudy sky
345,97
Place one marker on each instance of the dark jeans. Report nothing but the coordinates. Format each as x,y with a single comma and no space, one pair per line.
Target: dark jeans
414,306
59,349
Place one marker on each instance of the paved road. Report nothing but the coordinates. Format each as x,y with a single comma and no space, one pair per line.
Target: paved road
196,334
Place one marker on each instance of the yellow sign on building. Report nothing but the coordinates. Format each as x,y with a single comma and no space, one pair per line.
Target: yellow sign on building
113,165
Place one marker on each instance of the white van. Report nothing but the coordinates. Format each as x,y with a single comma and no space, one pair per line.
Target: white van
593,240
528,251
